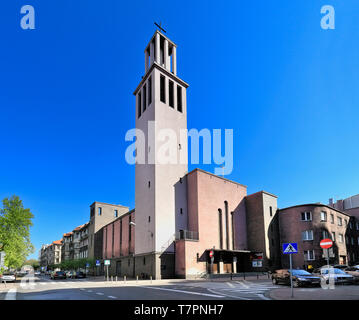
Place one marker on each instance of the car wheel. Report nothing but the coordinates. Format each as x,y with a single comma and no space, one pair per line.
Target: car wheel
274,281
296,284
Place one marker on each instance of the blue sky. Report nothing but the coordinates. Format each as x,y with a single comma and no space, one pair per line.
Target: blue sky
265,69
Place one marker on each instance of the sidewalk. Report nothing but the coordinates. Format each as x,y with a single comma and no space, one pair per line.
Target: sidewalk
339,293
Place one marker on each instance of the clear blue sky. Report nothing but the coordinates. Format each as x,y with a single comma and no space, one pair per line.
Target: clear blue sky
264,68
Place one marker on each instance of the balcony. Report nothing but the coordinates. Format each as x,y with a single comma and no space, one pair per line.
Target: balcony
187,235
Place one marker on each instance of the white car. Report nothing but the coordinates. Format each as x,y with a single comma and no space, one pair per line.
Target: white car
7,278
338,275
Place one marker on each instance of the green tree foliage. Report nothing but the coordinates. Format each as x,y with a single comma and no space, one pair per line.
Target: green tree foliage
15,223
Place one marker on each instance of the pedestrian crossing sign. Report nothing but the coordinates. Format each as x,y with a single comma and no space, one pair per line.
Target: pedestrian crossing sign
290,248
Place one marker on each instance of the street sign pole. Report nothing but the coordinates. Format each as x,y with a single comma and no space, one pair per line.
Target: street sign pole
291,278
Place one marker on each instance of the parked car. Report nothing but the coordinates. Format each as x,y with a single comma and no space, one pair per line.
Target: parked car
340,266
81,274
71,274
354,271
58,275
7,277
37,273
300,278
340,277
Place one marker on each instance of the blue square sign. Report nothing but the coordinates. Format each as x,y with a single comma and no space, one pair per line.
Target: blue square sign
290,248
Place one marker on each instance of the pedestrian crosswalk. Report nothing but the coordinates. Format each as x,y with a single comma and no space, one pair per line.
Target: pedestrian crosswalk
249,288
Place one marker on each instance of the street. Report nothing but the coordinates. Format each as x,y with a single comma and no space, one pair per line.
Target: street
43,288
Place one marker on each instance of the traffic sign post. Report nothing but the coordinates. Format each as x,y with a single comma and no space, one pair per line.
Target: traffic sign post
107,263
290,248
211,255
326,244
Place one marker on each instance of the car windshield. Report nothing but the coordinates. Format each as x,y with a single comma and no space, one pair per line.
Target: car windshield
300,273
336,271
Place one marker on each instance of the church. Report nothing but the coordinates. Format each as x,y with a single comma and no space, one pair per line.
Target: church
181,217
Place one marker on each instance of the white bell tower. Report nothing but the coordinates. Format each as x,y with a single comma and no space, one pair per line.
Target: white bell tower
161,104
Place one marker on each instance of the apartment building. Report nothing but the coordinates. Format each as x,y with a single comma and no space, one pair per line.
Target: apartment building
308,224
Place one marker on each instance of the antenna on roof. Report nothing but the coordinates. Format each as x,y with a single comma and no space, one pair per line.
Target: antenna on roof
159,26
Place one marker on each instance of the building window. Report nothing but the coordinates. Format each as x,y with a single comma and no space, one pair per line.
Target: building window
358,240
179,98
220,228
144,260
341,238
306,216
170,93
181,211
162,89
352,240
323,216
227,224
346,223
271,211
357,225
333,236
331,218
325,234
99,211
340,221
307,235
149,184
149,218
351,225
149,90
309,255
139,104
144,97
129,229
116,213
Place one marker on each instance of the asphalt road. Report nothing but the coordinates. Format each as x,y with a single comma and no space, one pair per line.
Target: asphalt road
43,288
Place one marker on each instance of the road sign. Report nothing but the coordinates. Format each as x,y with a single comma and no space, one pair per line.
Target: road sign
107,262
98,263
326,243
290,248
2,259
257,263
211,253
87,265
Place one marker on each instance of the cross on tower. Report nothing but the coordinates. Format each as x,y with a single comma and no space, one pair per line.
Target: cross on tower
159,26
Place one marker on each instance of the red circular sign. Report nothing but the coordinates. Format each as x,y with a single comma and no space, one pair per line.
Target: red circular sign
211,254
326,243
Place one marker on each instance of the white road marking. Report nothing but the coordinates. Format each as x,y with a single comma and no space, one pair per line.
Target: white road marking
230,284
11,294
100,293
111,297
189,292
89,290
242,284
228,295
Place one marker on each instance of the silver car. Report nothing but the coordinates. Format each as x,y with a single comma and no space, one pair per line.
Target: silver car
339,276
7,277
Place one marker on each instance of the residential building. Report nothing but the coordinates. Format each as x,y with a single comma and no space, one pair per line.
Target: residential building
308,224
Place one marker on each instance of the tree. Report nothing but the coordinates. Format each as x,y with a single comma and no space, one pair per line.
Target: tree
32,262
15,223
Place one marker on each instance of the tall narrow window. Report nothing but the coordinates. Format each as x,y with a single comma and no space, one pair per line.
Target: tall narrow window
121,237
227,224
162,89
232,218
179,98
129,232
144,97
149,90
113,238
220,228
271,211
170,92
139,105
116,213
99,211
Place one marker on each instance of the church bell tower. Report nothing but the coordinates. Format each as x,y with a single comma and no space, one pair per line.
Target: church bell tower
161,114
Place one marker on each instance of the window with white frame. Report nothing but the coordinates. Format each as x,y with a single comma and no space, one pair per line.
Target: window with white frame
323,216
333,236
341,238
340,221
307,235
331,218
306,216
325,234
309,255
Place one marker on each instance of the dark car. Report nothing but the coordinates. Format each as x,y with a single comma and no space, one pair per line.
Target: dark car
58,275
300,278
81,275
